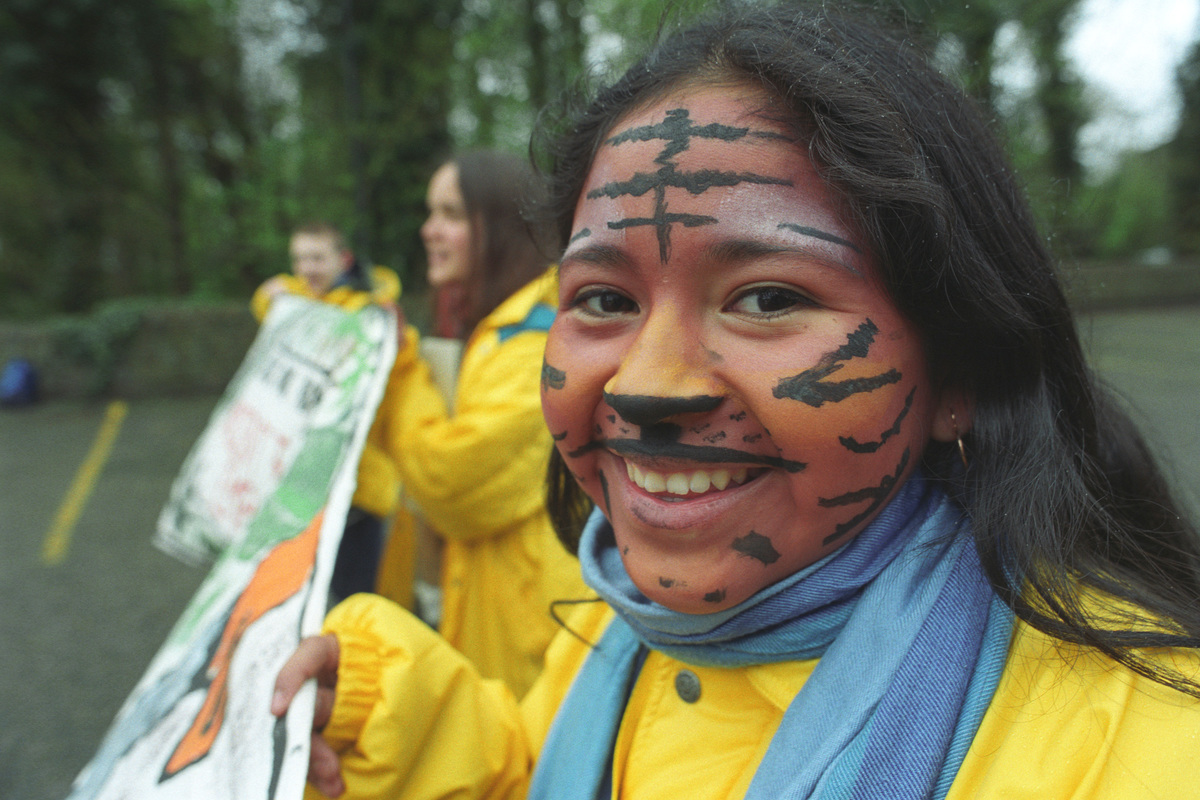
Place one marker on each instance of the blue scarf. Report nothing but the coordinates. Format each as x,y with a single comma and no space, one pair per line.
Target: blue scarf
889,710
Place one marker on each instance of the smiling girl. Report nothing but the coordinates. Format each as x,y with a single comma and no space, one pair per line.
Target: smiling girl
720,353
859,520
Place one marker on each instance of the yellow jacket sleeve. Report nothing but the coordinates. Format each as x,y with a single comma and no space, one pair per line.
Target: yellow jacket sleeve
1067,722
377,489
476,473
260,302
413,719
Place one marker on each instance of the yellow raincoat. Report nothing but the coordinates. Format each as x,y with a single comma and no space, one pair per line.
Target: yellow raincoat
414,720
477,476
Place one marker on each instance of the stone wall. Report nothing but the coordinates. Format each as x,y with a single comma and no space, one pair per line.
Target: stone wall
132,351
1113,285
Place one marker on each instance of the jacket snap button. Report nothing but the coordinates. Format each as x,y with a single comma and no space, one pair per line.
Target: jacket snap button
687,685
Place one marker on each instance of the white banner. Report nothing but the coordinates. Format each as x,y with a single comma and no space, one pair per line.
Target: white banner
265,492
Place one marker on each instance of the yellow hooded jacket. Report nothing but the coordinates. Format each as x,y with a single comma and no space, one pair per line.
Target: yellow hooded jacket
477,476
413,719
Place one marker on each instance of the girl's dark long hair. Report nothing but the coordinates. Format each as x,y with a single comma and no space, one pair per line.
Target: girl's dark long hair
1075,525
497,188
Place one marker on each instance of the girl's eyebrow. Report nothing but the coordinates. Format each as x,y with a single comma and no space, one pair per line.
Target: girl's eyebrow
740,250
601,255
734,250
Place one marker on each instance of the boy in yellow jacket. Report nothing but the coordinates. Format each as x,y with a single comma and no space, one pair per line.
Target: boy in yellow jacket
325,269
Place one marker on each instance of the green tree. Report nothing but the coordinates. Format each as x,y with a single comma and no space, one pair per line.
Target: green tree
184,74
1185,156
1129,212
964,38
54,151
373,115
968,33
129,145
1059,91
512,60
1042,130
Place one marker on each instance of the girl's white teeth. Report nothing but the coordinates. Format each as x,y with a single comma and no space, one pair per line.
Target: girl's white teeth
682,483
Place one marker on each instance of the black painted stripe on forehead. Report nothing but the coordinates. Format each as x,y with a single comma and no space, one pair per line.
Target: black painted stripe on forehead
686,220
817,233
677,132
696,182
678,129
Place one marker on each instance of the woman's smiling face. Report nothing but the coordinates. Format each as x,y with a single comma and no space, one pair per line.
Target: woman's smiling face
726,377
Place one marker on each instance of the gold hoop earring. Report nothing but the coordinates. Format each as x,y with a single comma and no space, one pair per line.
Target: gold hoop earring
962,451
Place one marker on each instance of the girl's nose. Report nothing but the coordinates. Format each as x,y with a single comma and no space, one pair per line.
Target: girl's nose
666,372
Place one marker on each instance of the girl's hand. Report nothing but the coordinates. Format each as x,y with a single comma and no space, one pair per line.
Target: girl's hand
316,657
274,287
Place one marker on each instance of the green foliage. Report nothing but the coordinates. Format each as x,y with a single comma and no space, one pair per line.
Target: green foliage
97,342
965,37
1185,156
54,147
130,150
1129,213
373,119
168,147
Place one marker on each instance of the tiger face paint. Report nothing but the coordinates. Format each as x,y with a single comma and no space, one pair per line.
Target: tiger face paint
732,385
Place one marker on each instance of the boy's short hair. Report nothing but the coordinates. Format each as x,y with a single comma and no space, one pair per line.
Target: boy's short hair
323,228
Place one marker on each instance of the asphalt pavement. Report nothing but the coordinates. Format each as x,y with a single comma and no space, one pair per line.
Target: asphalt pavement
86,599
78,630
1151,360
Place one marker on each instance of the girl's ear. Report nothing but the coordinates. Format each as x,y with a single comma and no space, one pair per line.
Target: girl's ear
955,415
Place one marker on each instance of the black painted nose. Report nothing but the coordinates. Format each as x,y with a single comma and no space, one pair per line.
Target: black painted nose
640,409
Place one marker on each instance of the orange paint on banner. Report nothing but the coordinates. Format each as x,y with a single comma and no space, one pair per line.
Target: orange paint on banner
280,576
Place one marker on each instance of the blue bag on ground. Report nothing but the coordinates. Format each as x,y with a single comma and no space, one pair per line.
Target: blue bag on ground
18,383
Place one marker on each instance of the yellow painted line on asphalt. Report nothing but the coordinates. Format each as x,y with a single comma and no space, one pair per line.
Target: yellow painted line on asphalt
58,538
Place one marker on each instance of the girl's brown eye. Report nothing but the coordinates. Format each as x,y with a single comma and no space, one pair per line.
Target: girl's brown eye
605,302
773,298
770,301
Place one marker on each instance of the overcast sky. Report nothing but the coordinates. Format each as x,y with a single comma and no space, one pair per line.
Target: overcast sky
1128,50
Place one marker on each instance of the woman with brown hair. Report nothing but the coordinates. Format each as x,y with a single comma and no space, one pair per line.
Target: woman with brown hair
473,468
